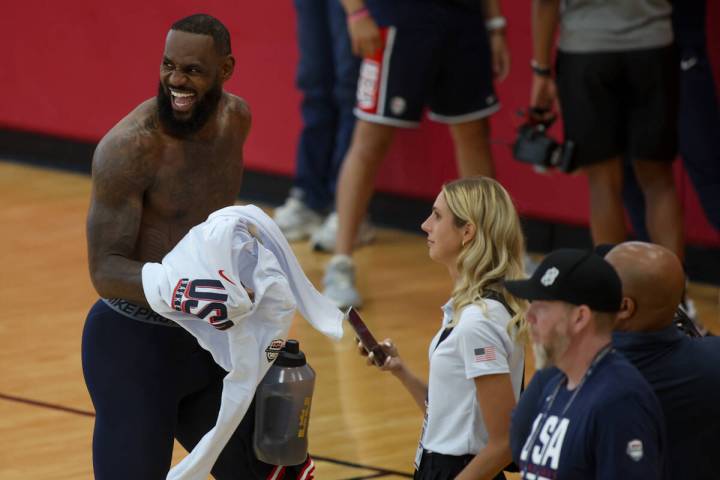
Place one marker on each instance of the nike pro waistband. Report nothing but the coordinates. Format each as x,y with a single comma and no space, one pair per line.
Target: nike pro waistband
137,312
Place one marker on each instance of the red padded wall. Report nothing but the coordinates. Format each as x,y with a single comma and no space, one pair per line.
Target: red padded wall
73,69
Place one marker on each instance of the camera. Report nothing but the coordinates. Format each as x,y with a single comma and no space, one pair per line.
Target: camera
535,147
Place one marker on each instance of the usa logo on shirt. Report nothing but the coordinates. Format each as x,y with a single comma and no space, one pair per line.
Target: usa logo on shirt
204,298
484,354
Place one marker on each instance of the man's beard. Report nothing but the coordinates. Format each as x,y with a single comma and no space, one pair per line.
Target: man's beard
201,113
548,355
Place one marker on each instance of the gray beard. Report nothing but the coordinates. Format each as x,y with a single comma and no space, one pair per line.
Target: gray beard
548,355
542,356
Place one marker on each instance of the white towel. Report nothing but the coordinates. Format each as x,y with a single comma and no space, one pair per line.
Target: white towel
204,274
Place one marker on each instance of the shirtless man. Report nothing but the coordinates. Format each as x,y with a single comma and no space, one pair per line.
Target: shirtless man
161,170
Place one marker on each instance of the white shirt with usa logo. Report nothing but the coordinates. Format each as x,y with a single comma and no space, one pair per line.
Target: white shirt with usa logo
478,345
199,285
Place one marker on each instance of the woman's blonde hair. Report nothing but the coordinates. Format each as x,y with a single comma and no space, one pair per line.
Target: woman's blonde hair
496,251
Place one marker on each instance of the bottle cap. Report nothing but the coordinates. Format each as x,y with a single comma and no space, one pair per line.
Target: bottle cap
290,355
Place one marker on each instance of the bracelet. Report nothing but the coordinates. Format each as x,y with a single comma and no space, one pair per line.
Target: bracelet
358,14
495,23
540,70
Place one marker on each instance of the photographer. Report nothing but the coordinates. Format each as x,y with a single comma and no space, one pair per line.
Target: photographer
617,86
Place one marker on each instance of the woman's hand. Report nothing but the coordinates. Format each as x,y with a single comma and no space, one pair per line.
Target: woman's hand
393,363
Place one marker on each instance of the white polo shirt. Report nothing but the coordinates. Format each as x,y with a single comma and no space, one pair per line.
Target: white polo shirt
478,345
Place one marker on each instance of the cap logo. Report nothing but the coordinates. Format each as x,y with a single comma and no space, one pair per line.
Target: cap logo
635,449
549,276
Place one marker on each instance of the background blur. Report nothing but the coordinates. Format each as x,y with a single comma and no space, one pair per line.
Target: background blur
71,70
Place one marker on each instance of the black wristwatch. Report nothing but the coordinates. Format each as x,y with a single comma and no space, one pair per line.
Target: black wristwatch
539,70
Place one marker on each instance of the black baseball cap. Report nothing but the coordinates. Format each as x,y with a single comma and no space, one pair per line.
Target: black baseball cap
579,277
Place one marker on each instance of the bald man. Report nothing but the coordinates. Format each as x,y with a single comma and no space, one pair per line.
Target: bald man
683,371
653,283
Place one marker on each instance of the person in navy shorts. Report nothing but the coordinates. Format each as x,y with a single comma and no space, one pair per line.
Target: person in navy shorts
416,54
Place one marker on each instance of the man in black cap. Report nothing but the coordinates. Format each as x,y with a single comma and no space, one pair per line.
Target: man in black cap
597,418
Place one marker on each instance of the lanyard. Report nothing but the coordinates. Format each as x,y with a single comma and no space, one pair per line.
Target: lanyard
598,356
546,411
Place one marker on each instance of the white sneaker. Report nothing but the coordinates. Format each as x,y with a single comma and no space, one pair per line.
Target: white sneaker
296,220
323,240
339,282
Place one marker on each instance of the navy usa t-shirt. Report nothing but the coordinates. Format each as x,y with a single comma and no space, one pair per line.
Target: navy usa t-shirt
613,429
527,409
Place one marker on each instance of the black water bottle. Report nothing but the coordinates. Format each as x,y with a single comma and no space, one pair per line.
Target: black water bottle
282,408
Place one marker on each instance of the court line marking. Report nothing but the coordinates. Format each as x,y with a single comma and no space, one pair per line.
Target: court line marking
380,472
51,406
345,463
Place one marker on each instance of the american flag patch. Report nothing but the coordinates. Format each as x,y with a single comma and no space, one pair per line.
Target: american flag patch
484,354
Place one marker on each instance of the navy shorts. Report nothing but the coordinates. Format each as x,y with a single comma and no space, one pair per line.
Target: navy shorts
151,383
435,55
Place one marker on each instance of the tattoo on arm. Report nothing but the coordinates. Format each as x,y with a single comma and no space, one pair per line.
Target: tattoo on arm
121,175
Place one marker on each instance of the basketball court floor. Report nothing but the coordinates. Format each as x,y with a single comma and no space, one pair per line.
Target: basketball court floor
363,424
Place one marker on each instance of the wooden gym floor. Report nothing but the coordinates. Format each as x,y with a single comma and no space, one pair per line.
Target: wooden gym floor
363,424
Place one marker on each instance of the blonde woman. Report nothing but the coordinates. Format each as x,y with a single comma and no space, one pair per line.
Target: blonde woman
477,355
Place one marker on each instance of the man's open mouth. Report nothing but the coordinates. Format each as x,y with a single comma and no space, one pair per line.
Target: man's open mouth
182,101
